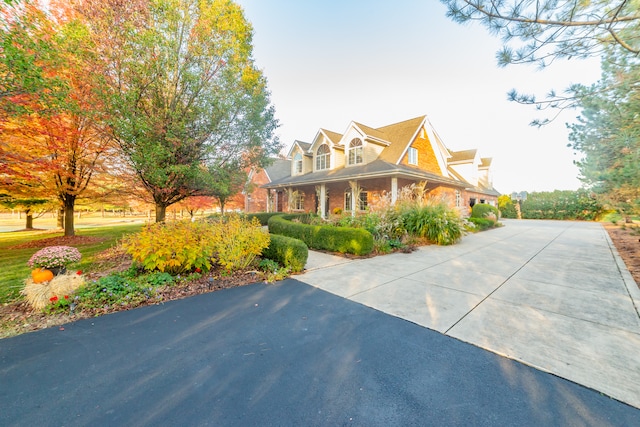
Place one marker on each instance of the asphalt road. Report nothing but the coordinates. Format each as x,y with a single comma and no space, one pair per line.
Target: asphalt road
285,354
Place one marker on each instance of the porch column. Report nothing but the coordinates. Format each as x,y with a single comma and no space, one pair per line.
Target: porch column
323,201
394,190
268,201
355,193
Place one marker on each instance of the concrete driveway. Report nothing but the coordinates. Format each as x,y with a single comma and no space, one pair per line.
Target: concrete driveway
552,294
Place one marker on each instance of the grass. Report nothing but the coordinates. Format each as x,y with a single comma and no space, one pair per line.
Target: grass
14,261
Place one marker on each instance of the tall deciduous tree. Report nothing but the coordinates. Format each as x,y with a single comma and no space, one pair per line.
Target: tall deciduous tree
229,181
54,145
27,52
185,96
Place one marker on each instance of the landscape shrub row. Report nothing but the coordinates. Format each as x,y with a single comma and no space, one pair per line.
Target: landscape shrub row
355,241
561,205
287,251
263,217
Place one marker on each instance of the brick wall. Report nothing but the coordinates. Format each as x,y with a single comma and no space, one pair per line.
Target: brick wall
426,157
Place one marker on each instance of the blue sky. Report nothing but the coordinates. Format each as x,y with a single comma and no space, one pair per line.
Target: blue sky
379,62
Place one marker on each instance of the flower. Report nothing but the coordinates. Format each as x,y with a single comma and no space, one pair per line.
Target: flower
53,299
54,257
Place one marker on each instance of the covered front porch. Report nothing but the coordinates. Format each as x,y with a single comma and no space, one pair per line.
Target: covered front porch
356,195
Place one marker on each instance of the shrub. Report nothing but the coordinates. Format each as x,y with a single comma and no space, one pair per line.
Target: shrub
339,239
484,210
176,247
507,207
567,205
238,242
482,223
183,246
287,251
436,223
263,217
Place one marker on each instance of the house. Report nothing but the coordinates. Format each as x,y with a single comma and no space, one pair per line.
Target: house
255,197
354,170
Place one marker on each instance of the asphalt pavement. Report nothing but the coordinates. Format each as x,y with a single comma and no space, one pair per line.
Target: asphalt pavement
277,355
535,323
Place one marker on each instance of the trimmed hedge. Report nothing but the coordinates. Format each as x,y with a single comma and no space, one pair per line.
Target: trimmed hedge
355,241
482,223
263,217
481,210
287,251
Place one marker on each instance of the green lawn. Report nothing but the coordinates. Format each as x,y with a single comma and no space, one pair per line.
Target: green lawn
14,261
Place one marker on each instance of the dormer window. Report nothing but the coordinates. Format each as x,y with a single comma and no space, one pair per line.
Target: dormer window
323,157
297,163
355,151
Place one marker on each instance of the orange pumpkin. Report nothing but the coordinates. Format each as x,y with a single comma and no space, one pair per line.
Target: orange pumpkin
40,275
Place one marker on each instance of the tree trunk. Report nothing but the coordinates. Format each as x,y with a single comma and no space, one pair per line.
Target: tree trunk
221,206
161,212
60,218
69,204
29,225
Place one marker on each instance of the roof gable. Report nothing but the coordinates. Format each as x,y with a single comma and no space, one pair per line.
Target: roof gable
464,156
334,137
401,135
372,134
302,146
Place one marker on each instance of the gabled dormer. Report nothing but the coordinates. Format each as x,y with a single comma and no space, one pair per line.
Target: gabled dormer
466,163
325,151
485,177
301,158
362,144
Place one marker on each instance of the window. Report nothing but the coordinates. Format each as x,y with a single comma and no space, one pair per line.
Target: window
355,151
297,161
323,157
458,199
362,202
298,200
413,156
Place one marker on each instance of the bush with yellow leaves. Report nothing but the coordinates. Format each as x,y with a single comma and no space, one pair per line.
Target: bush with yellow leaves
180,247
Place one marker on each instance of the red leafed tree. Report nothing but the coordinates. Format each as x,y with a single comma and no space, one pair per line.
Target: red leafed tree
55,146
196,203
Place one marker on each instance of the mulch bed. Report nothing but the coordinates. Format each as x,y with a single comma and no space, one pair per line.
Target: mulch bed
626,239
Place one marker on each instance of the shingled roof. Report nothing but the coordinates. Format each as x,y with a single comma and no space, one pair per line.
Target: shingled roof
400,135
377,168
279,169
335,137
462,156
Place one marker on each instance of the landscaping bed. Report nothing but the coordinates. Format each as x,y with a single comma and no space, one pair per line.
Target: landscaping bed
626,239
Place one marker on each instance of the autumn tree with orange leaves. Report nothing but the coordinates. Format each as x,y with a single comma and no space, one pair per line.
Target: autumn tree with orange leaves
54,145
